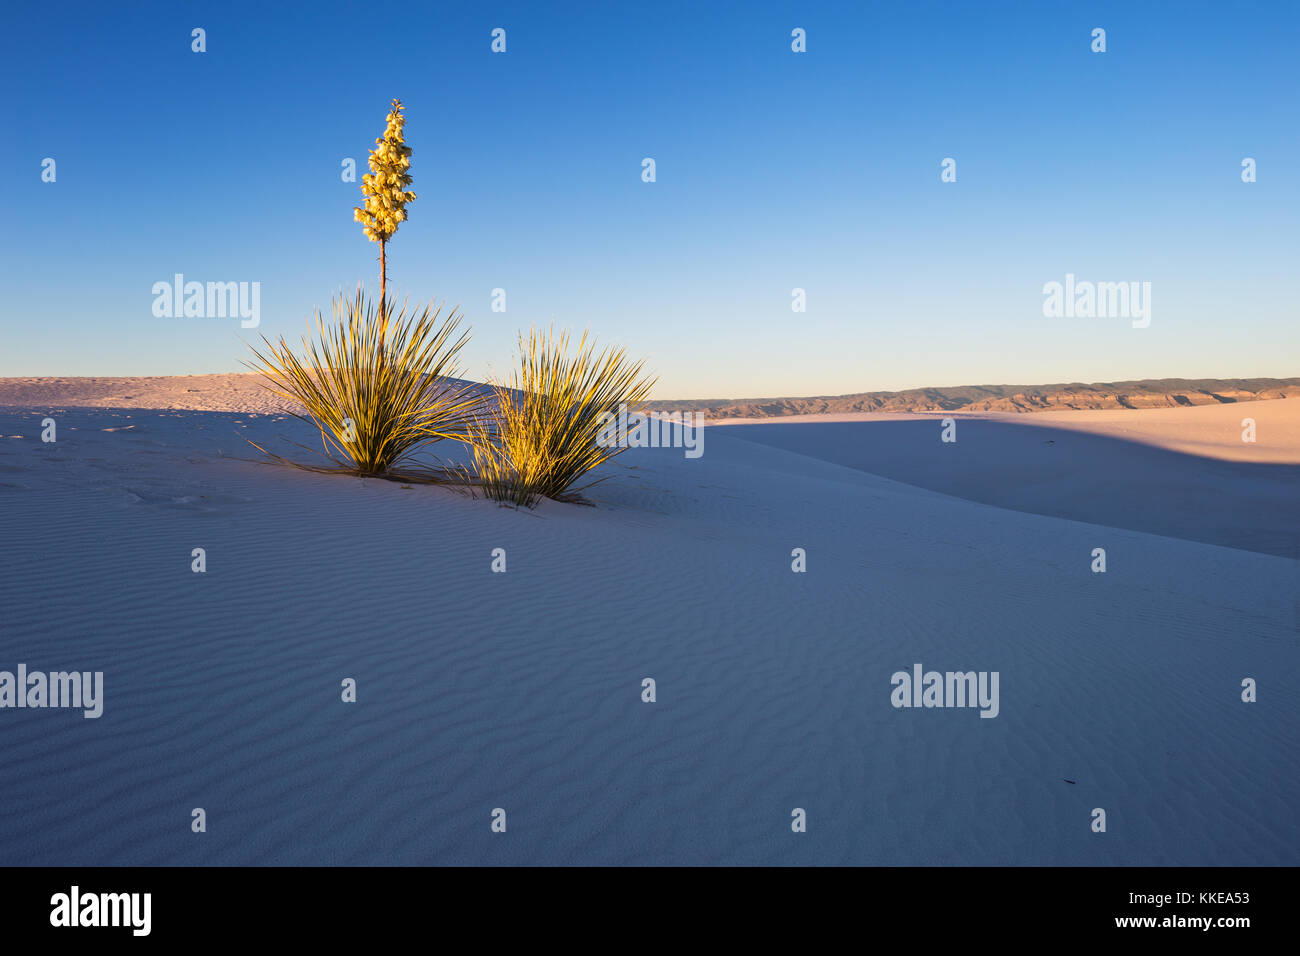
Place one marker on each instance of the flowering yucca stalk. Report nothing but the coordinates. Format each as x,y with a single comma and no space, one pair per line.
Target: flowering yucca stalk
541,436
376,389
385,190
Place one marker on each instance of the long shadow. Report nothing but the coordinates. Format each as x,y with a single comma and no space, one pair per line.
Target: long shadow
219,433
1066,474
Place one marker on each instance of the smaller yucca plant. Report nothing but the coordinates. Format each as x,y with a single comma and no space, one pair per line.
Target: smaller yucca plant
541,435
376,385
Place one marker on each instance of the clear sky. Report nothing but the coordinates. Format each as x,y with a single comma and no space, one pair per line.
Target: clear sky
775,170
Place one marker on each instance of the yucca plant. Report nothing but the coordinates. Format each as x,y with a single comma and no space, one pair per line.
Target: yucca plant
376,385
541,434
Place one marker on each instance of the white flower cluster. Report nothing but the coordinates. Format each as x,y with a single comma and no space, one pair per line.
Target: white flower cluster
385,186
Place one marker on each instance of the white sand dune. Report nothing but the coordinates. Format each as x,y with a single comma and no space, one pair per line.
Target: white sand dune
1180,472
230,392
522,690
1214,431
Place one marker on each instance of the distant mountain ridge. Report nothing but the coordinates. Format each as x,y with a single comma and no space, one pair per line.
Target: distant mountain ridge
244,392
1147,393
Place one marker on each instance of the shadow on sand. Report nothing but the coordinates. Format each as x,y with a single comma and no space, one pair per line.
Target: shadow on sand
1066,474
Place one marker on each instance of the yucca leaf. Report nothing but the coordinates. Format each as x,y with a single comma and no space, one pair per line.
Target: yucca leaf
540,436
389,374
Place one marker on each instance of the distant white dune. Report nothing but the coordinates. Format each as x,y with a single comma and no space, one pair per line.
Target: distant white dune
1181,472
1214,431
477,690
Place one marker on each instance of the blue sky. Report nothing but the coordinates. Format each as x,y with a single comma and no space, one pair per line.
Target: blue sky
775,170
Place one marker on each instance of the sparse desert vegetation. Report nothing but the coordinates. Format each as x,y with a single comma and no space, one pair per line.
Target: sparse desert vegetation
541,435
381,388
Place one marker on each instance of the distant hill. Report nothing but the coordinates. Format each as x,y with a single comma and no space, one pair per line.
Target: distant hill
243,392
1148,393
